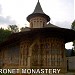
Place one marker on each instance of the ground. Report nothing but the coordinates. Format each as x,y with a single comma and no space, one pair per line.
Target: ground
69,73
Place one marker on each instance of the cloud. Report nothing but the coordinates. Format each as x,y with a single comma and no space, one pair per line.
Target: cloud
0,9
7,20
64,24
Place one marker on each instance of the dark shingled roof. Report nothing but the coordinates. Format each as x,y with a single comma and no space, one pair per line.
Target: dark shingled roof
38,8
38,12
67,34
51,25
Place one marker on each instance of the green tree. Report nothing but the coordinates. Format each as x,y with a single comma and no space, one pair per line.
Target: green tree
73,27
4,34
13,28
73,53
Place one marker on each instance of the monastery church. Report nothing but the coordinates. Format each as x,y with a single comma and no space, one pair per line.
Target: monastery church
41,46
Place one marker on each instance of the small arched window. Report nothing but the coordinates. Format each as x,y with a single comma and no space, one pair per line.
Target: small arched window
31,25
43,24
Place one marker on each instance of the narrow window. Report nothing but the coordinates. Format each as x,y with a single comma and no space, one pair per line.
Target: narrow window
43,24
31,25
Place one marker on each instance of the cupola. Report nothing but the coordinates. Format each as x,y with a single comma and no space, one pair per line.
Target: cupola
38,19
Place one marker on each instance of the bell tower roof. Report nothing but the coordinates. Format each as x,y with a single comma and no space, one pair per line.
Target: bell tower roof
38,8
38,12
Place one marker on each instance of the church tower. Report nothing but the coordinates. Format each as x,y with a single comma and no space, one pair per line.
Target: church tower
38,19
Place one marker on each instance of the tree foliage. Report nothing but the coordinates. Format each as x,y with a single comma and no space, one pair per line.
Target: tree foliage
73,53
73,27
13,28
4,34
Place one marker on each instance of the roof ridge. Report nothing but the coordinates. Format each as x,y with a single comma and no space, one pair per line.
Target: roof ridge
52,25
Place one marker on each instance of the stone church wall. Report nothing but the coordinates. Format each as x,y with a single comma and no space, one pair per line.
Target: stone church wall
10,56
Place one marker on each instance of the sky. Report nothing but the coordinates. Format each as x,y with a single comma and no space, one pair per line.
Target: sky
13,12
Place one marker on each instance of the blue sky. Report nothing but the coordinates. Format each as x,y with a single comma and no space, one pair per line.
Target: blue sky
16,11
